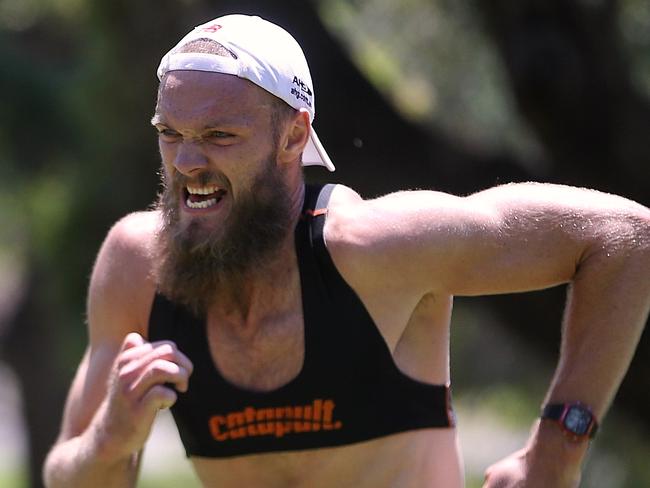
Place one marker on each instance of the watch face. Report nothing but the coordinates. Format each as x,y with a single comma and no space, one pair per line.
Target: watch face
578,420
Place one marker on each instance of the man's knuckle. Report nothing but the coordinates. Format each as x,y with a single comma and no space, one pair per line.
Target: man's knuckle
160,365
161,368
166,345
123,375
165,349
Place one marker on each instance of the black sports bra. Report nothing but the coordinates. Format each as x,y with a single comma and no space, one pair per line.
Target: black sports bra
349,389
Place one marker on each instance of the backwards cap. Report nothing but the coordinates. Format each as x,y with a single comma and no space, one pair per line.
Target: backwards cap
265,54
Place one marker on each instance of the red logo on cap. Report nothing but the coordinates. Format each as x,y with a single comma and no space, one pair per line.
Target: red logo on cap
211,28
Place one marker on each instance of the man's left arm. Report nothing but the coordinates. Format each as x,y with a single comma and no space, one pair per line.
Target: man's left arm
516,238
607,307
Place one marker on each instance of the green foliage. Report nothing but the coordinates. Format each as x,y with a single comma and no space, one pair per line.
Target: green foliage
634,24
463,90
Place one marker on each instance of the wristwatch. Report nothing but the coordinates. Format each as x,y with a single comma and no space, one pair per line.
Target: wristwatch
576,419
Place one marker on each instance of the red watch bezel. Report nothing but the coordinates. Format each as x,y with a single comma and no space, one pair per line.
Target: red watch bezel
569,433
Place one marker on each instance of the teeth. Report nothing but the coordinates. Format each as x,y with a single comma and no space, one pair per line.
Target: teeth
202,190
202,204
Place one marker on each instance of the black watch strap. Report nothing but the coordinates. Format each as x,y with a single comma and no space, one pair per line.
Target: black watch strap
559,412
553,411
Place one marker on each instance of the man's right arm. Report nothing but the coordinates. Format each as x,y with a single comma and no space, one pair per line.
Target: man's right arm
119,385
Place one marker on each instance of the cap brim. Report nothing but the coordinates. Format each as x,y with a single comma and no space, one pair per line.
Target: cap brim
314,153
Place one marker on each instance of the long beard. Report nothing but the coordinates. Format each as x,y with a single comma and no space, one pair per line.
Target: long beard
197,265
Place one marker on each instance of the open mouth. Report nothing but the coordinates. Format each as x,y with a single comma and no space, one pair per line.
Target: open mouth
203,196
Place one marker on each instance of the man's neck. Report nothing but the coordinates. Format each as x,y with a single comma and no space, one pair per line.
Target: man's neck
264,290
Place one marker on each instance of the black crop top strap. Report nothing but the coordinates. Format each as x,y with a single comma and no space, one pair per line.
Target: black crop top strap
348,390
415,404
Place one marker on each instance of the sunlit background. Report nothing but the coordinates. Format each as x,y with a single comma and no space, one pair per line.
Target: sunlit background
77,85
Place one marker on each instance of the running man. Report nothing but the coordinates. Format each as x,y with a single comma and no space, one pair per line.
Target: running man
300,334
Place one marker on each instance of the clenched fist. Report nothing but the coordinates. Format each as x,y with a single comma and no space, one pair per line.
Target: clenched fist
142,381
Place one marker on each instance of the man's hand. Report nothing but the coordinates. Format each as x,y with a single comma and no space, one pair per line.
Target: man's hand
549,460
517,471
140,384
507,473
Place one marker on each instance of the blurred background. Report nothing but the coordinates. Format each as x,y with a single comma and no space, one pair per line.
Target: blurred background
441,94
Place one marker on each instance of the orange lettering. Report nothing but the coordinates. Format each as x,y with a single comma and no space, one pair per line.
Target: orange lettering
318,405
215,423
265,428
277,421
328,410
279,426
282,428
249,413
235,420
298,425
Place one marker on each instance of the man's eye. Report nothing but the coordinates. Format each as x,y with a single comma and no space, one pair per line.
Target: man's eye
168,133
217,134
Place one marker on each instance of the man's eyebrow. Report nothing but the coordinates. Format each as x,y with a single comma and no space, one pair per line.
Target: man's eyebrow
158,119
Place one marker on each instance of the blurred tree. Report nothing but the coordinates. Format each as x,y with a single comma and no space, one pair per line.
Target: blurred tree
78,84
573,83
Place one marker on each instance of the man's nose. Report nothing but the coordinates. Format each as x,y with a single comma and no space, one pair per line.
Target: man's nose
190,157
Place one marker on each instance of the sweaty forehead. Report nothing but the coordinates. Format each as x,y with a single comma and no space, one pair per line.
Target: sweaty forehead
198,94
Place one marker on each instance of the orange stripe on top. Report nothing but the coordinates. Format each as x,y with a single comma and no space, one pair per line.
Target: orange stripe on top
316,212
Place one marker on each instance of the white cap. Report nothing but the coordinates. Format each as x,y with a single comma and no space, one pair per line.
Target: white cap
267,55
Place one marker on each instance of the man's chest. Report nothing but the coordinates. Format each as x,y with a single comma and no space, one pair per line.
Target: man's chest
264,358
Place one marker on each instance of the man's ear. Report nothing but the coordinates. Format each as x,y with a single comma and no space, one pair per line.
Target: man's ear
294,137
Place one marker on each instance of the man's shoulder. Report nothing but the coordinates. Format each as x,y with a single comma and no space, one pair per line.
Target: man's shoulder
136,229
358,222
130,244
344,203
373,241
123,275
345,232
132,237
344,195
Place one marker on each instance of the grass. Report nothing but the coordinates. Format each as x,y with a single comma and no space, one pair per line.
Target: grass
12,479
169,481
16,479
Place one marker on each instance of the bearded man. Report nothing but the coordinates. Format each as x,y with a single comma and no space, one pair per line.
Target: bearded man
300,334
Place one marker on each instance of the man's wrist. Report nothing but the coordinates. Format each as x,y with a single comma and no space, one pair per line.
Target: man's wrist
576,419
550,449
102,448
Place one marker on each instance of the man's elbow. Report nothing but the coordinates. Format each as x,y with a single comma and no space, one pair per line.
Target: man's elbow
631,234
618,239
635,243
641,239
50,468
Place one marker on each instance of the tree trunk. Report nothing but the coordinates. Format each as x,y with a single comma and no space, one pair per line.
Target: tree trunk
29,347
